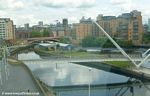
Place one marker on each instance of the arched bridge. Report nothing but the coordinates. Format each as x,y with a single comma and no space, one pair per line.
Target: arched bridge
31,40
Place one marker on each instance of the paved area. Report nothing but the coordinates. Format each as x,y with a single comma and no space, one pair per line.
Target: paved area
16,80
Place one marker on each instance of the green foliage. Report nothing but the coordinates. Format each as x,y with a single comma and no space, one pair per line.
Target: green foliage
65,40
36,34
146,38
46,33
122,64
108,44
91,41
122,43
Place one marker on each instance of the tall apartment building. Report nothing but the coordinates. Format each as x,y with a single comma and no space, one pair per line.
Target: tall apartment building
40,23
58,30
108,23
84,28
7,31
127,26
149,25
87,28
65,25
61,29
26,26
130,27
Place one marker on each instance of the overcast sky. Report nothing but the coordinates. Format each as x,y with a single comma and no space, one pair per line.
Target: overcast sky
48,11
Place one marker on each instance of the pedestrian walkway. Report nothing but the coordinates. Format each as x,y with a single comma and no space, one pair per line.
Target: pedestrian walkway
18,80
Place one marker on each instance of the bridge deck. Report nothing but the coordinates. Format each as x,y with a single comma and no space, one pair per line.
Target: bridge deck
98,86
141,74
84,60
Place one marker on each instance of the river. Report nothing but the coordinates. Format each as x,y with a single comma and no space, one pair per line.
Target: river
55,72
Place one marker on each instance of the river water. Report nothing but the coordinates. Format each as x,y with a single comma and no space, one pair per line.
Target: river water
57,72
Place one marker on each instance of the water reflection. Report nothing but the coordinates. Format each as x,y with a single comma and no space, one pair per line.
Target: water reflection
28,56
146,64
62,73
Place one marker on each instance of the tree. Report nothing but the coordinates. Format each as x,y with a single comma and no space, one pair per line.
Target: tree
122,43
36,34
65,40
88,41
146,38
46,33
92,41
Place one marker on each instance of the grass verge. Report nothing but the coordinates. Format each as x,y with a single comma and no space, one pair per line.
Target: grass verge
121,64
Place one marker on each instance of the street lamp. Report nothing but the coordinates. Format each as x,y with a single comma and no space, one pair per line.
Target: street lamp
89,87
5,55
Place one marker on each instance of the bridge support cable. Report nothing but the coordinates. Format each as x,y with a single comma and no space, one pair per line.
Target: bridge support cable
124,91
1,81
142,62
119,91
120,49
144,85
144,54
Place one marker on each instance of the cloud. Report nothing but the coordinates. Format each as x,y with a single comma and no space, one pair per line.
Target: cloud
62,73
21,19
84,76
118,2
66,3
125,5
17,5
11,4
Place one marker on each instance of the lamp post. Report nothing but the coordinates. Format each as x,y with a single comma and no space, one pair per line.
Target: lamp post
89,87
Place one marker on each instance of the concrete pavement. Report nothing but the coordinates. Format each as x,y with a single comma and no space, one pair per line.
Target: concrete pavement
17,80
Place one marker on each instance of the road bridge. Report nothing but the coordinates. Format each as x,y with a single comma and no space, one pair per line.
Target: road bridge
30,40
142,73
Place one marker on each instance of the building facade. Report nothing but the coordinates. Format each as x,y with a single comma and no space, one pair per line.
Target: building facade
23,33
83,29
130,27
7,30
126,27
61,29
66,27
149,25
108,23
